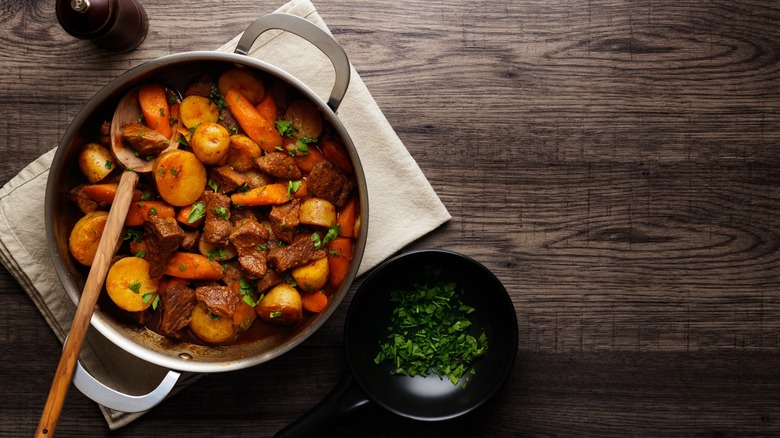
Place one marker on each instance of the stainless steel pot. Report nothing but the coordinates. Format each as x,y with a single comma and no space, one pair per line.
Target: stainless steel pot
60,217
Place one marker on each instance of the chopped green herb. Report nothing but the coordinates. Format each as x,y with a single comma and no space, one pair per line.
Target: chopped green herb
276,314
217,97
162,112
93,230
109,164
302,144
320,242
247,291
174,171
156,302
285,128
214,186
222,212
152,211
182,140
213,316
140,253
147,297
135,286
133,235
333,252
197,212
233,129
243,188
216,253
293,187
262,247
182,267
428,333
147,196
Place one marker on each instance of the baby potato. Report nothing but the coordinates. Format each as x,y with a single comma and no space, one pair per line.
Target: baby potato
242,152
210,142
85,236
180,177
243,81
215,252
195,110
211,328
311,276
281,305
317,211
95,162
129,286
306,119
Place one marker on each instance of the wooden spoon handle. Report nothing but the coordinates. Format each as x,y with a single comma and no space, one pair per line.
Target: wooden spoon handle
94,284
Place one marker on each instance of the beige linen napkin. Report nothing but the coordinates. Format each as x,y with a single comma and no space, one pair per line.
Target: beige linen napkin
403,207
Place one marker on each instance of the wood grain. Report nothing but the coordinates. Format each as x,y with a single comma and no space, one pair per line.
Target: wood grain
614,162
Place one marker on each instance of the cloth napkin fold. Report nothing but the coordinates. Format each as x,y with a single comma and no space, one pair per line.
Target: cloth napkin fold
402,207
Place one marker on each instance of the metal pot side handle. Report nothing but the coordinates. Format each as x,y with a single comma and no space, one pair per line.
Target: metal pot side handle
113,399
311,33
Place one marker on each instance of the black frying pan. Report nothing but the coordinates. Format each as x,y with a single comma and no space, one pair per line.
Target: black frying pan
430,398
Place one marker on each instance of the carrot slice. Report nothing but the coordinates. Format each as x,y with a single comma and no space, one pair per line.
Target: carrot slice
267,107
270,194
105,193
314,302
335,153
193,266
154,106
346,218
261,130
339,258
306,161
139,211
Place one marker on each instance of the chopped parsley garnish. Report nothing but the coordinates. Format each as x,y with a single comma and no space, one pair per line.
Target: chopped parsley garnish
217,97
147,297
428,333
140,253
222,212
302,144
285,128
233,129
320,242
262,247
247,292
133,235
197,212
147,196
243,188
135,287
174,171
293,187
214,186
216,253
109,164
276,314
156,302
182,140
152,211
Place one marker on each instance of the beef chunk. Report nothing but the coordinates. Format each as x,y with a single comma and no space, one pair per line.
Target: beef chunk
201,87
257,178
227,120
232,273
217,225
247,237
284,219
328,182
144,140
228,179
162,237
269,280
238,215
278,164
295,254
177,304
82,201
219,300
190,240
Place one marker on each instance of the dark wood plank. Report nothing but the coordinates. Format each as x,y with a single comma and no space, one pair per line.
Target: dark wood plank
613,162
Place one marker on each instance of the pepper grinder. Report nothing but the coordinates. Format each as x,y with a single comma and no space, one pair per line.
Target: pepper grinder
117,25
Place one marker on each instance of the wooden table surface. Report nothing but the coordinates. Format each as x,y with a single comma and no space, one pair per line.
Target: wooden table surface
615,163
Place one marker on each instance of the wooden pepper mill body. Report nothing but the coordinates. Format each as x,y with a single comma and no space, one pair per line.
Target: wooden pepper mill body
117,25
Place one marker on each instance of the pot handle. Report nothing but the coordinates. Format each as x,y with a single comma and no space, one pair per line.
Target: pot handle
345,399
113,399
311,33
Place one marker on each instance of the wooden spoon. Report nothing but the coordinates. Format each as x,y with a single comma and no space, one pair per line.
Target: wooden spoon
127,111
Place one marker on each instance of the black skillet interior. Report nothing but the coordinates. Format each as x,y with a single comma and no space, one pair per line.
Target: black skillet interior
431,398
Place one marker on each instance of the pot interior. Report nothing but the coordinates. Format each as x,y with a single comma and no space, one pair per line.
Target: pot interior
61,215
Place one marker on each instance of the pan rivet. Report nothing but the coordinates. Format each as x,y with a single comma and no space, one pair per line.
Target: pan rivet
185,356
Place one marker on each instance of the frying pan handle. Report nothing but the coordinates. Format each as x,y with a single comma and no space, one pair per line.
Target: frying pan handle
119,401
343,400
311,33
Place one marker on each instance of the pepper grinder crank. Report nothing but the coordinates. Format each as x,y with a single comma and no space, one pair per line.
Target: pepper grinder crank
117,25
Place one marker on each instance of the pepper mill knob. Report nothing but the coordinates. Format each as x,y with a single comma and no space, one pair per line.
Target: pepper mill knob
118,25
